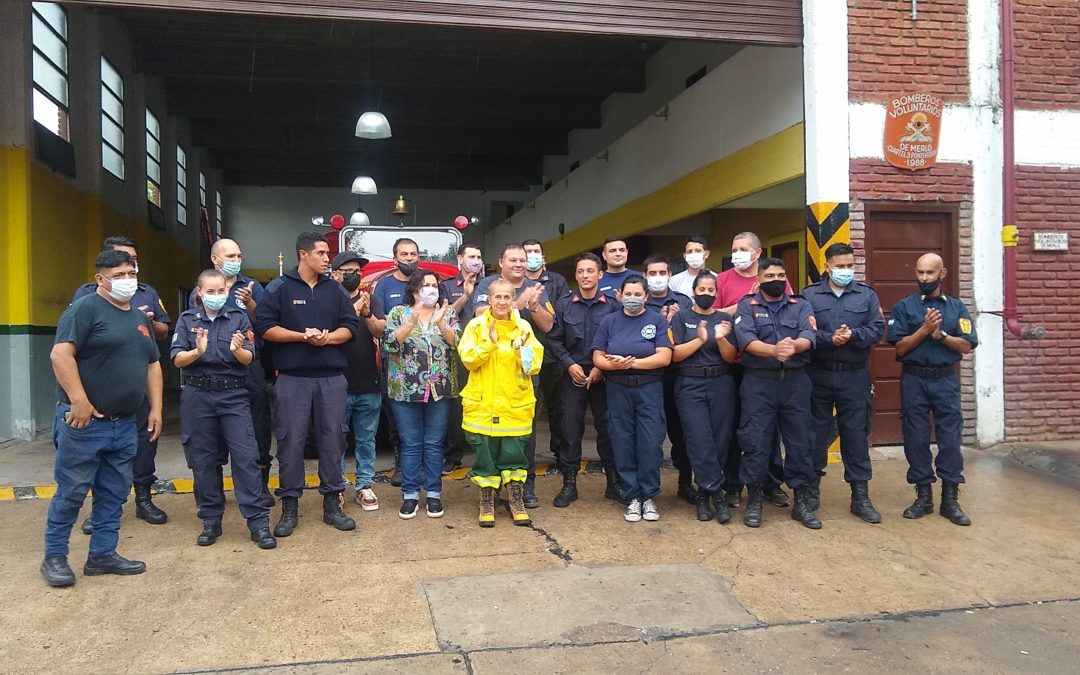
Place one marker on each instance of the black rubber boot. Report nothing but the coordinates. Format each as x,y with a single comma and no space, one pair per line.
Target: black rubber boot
290,514
569,491
950,506
802,511
755,499
612,489
704,510
332,513
815,493
266,498
860,502
923,504
145,509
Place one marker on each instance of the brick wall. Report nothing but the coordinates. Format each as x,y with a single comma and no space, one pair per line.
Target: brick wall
876,180
1042,378
890,54
1047,53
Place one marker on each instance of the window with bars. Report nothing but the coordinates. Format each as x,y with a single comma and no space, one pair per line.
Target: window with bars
181,186
112,119
217,213
50,91
153,159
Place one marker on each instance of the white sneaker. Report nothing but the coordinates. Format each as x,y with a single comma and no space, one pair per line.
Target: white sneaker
633,511
649,510
367,499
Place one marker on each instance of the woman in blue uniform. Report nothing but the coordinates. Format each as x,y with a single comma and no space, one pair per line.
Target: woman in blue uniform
632,347
705,391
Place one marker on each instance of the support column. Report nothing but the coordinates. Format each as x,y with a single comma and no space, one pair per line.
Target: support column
825,96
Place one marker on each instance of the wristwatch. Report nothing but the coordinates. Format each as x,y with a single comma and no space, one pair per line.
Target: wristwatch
943,336
534,311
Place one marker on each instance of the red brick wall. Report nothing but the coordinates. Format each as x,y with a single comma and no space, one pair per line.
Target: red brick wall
890,54
1042,377
876,180
1047,53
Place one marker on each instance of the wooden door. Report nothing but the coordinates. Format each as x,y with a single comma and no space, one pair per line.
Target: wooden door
789,253
896,235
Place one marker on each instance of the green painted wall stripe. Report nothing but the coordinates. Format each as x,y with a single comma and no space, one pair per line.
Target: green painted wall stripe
27,330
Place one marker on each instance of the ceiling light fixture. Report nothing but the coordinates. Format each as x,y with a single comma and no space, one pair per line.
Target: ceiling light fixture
359,218
364,185
373,125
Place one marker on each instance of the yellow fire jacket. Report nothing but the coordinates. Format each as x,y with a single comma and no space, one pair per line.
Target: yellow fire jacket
499,399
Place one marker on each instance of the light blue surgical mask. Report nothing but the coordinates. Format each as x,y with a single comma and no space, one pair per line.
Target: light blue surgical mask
230,268
526,352
842,277
214,303
534,261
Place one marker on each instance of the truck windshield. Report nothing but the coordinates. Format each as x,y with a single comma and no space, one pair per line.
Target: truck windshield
377,243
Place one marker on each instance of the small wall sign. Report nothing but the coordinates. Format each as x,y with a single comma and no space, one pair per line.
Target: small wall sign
913,130
1051,241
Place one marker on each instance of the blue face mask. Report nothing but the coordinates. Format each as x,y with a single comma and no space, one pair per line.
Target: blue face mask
842,277
214,303
230,268
534,261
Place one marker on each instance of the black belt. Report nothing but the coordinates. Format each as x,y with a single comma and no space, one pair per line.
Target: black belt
632,380
702,371
214,383
774,374
929,373
839,366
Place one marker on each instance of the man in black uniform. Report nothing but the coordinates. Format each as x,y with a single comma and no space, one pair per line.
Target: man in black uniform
309,317
147,301
667,304
577,317
776,333
106,365
470,261
849,323
214,344
932,332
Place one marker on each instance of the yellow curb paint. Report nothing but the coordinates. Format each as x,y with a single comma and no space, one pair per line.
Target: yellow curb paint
227,482
7,494
44,491
311,481
184,485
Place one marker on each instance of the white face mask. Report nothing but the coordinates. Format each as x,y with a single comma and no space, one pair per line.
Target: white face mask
694,260
742,259
657,284
122,290
429,296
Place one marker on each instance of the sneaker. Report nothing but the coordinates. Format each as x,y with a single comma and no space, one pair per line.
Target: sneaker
366,498
649,511
409,508
633,511
434,507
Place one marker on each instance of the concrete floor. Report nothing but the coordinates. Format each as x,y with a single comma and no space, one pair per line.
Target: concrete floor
447,596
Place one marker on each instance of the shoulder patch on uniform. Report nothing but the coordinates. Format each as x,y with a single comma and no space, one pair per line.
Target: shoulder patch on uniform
965,325
648,331
738,320
813,322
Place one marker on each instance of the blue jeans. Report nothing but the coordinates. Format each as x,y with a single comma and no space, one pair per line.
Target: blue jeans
97,457
362,414
637,426
421,430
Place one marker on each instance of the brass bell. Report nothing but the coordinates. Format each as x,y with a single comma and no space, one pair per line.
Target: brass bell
401,207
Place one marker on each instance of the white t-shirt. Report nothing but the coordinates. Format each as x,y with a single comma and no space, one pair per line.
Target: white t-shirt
683,282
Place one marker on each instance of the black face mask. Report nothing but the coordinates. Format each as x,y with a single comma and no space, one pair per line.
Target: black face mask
704,301
406,268
350,281
928,287
774,288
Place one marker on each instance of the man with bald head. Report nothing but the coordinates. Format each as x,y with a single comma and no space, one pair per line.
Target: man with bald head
931,332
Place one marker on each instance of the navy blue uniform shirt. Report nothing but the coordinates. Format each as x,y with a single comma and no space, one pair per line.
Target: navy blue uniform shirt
684,328
670,298
637,336
218,359
241,281
612,281
906,317
576,322
479,298
858,308
756,320
146,299
290,303
389,293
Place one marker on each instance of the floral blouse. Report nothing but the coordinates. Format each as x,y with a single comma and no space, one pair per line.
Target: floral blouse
422,368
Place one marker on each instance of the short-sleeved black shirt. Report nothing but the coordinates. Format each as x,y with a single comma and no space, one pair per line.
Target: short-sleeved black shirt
684,328
112,350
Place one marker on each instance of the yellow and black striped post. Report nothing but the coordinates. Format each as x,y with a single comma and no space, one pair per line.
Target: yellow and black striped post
827,223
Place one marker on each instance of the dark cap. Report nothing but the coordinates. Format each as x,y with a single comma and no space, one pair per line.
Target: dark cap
347,256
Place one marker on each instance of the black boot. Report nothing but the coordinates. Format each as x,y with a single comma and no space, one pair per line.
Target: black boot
802,511
57,572
755,499
704,511
529,497
860,502
923,504
290,514
815,493
87,526
569,491
395,478
211,530
112,563
733,495
950,507
266,498
332,513
145,509
723,511
686,488
612,489
263,538
777,496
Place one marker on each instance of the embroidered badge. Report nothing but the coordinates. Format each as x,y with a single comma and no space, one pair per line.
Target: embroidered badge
965,325
648,331
813,322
